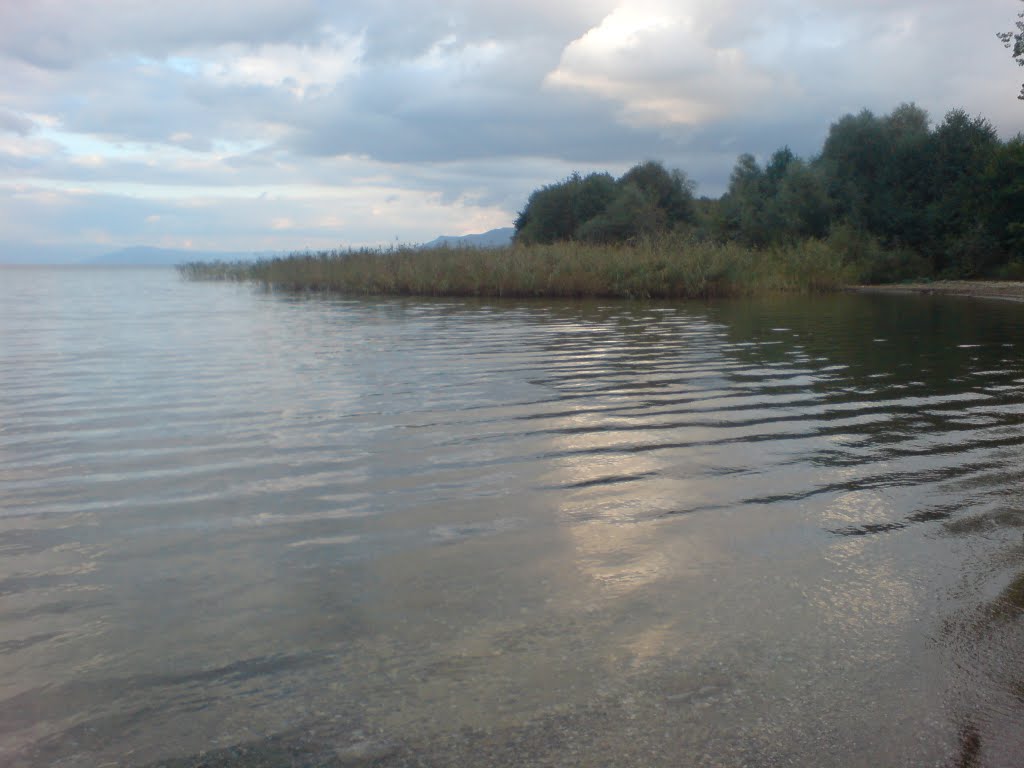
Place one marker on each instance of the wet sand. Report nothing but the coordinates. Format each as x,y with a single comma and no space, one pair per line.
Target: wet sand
977,289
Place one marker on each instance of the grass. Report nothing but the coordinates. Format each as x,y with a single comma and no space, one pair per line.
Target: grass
671,267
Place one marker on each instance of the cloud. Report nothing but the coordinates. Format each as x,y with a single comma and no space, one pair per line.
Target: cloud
54,34
11,122
236,219
403,30
300,69
375,118
472,102
658,64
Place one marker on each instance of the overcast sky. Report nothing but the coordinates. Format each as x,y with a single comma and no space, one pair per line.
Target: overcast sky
282,124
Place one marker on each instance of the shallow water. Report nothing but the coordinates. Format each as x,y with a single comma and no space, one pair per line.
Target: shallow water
270,529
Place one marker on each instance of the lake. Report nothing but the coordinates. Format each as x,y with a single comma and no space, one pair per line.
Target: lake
240,527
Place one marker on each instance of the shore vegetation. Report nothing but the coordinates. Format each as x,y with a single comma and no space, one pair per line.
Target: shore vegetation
888,198
670,266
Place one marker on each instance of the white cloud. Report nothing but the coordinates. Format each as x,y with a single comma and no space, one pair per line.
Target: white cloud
89,161
210,120
299,69
26,147
656,61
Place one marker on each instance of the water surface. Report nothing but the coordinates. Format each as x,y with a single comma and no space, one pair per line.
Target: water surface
245,528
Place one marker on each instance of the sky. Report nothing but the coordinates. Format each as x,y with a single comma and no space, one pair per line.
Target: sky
269,125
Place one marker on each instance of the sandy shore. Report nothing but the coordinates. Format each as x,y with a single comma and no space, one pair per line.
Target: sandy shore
982,289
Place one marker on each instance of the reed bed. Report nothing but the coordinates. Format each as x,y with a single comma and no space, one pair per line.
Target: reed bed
668,268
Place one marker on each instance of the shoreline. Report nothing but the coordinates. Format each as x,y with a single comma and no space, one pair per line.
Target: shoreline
973,289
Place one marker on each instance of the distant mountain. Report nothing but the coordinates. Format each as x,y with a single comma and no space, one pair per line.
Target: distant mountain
496,238
15,252
12,252
144,255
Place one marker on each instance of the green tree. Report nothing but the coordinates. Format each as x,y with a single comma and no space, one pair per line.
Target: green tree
896,196
782,203
877,173
592,195
1015,42
647,199
633,213
548,215
1005,177
852,161
776,169
670,191
775,220
556,211
962,152
741,213
801,207
904,186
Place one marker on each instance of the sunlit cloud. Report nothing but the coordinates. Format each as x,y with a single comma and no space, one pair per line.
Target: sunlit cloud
658,63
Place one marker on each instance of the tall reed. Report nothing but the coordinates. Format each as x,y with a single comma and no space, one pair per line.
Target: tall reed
670,267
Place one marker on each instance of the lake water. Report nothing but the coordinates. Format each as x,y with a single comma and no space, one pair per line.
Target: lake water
246,528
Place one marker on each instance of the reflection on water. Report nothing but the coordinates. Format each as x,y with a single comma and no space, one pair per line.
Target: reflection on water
272,529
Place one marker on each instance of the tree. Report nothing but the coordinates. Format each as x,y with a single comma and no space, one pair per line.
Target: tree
557,211
1006,179
648,199
774,216
592,197
853,160
777,166
782,203
802,205
671,191
548,215
632,213
877,172
900,212
1015,42
741,213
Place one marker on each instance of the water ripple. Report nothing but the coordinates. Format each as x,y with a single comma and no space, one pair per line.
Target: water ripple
226,513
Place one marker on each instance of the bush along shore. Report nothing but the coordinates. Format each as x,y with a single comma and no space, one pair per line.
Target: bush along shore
888,199
669,267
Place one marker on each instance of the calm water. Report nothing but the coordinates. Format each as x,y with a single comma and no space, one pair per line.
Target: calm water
281,530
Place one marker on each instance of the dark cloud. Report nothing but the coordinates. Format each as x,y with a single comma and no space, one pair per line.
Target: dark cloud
53,34
572,127
403,30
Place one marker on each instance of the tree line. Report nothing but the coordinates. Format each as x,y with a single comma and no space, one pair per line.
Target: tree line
897,196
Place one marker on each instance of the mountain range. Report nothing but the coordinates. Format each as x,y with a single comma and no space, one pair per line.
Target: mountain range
495,238
145,255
